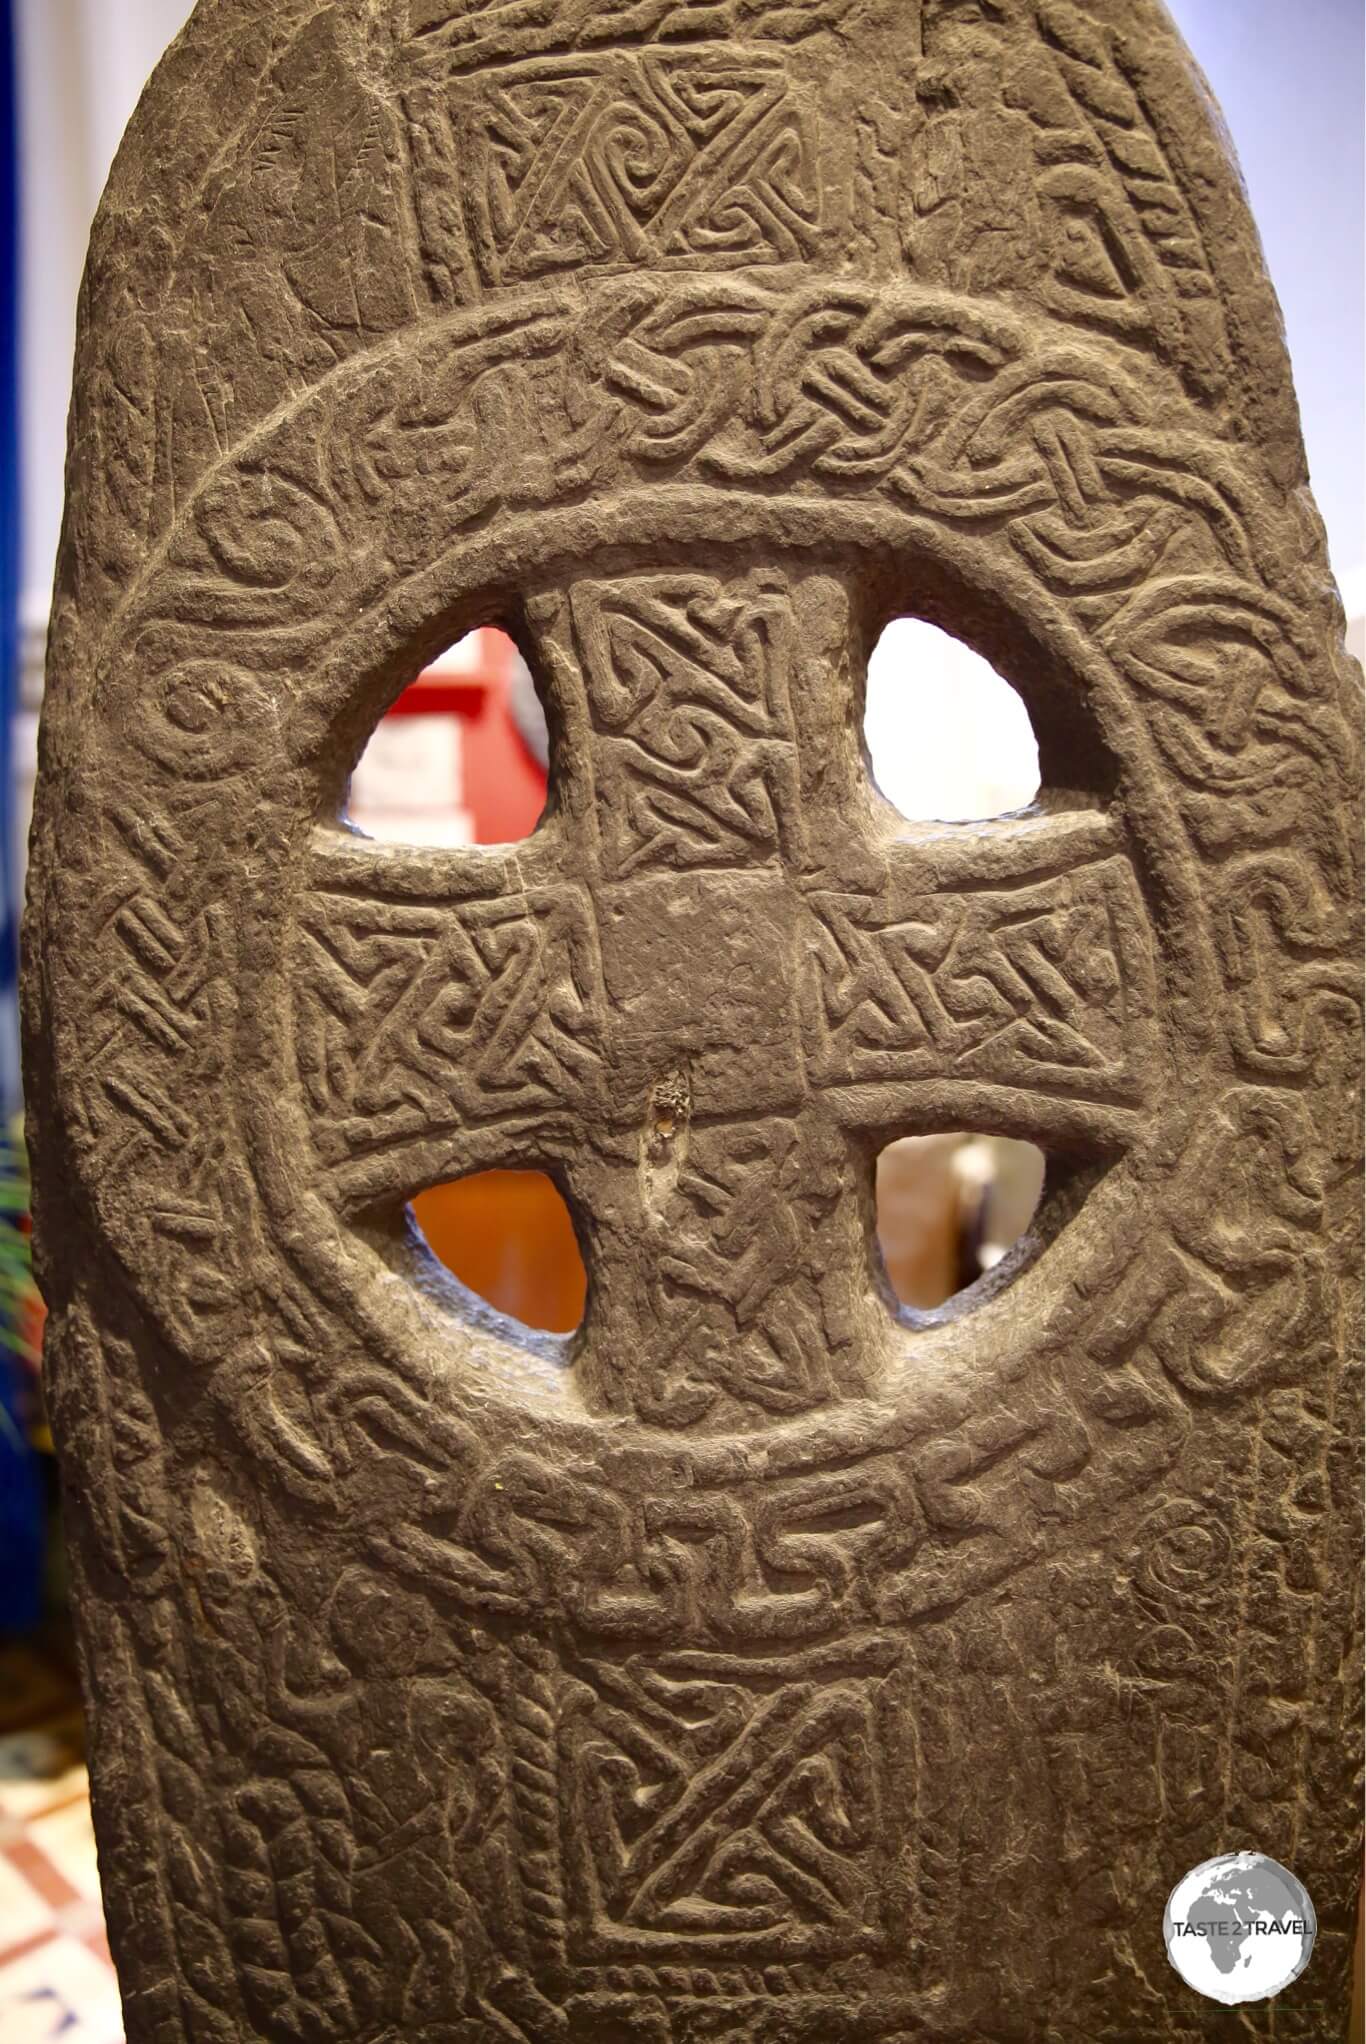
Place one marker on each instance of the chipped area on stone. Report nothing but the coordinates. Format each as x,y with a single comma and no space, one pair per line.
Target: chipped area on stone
760,1666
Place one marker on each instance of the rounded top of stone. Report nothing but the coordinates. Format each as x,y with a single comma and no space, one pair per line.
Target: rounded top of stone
305,189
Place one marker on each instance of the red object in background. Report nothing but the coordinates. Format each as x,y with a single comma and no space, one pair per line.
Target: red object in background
503,785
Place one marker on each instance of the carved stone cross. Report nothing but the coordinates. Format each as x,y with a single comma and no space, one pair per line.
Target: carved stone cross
719,977
763,1662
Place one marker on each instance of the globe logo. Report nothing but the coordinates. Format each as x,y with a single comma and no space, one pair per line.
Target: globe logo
1239,1928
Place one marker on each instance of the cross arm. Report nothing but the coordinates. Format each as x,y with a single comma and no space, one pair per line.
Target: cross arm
1003,980
446,1013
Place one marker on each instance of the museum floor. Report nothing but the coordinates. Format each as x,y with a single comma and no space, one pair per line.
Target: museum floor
56,1979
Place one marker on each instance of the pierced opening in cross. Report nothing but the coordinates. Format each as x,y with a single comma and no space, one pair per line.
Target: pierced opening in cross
948,738
952,1207
460,758
509,1237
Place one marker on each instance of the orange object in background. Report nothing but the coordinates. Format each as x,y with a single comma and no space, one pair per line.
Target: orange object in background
508,1236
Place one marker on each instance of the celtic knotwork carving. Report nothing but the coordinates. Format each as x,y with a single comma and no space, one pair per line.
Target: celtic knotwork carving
688,688
698,156
1047,986
419,1016
720,1671
742,1792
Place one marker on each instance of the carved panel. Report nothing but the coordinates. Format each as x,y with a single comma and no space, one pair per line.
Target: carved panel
1046,987
688,687
722,1807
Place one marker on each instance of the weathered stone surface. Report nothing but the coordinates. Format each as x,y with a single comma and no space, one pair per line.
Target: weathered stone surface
761,1666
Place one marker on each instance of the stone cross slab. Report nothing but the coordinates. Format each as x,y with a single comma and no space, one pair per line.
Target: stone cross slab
732,1669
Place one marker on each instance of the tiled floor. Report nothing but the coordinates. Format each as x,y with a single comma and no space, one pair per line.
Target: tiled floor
56,1979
